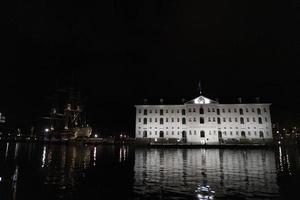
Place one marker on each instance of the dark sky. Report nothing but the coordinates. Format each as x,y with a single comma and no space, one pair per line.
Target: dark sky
122,51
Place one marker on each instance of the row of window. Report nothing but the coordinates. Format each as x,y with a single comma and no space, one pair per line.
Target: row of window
201,120
202,133
218,128
201,111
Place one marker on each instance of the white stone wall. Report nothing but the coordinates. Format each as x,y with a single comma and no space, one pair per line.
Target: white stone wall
230,121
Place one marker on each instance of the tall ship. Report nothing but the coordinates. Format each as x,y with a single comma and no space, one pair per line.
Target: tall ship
68,122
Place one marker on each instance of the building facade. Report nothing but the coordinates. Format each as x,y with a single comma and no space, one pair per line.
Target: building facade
204,121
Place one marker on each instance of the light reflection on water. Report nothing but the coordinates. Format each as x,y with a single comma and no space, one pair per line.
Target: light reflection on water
97,172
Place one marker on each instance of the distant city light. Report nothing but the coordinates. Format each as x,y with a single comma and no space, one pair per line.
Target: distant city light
96,135
0,179
46,130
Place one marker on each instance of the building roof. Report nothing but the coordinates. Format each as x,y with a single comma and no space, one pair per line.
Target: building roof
202,100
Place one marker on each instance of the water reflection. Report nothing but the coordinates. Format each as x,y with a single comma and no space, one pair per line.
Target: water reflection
177,172
97,172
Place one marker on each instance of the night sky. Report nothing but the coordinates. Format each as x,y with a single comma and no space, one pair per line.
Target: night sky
122,51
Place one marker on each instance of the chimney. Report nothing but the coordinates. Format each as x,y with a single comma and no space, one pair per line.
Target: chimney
240,100
257,100
161,101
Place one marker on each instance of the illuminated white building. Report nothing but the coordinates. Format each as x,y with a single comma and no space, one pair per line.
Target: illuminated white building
204,121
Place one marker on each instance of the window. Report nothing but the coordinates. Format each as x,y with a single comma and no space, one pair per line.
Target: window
241,111
236,119
140,111
150,133
161,112
265,110
155,111
237,133
190,132
155,119
201,120
183,121
140,120
161,121
172,119
201,110
195,132
167,111
242,120
161,134
150,120
253,110
178,120
202,134
224,119
261,134
229,110
218,111
183,112
253,119
190,110
230,132
194,110
194,119
266,119
219,120
214,119
259,120
150,111
145,134
145,112
223,110
209,119
190,120
172,132
249,133
213,110
172,111
229,119
145,120
208,109
259,111
167,120
255,133
247,119
235,110
247,110
224,133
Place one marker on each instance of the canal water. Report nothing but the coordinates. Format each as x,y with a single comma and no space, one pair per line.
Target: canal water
36,171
